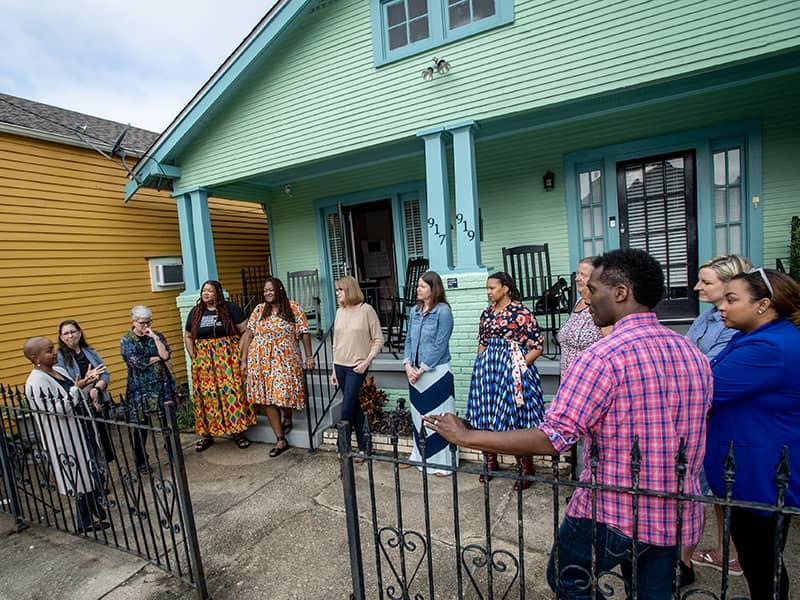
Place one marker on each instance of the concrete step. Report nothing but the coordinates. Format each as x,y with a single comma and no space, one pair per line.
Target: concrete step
298,436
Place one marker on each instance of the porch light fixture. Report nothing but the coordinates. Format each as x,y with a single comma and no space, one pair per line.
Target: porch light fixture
440,66
549,181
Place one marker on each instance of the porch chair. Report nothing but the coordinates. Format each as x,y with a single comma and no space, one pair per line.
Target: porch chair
529,267
403,301
303,287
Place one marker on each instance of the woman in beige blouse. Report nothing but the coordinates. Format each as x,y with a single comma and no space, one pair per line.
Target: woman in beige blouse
357,339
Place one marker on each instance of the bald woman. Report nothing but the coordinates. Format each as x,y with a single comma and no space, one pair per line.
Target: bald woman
69,442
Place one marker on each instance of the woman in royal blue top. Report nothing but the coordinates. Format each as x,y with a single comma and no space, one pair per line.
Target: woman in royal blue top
757,406
427,362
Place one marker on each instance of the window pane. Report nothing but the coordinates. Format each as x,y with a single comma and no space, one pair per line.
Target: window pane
598,220
586,221
719,168
719,206
734,204
417,8
598,248
482,9
418,30
587,248
396,13
721,241
734,167
597,192
735,233
459,14
586,197
397,37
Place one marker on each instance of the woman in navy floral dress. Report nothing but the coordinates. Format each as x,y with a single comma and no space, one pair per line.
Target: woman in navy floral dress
505,392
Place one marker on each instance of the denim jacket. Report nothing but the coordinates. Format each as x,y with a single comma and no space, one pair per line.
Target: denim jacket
74,371
428,337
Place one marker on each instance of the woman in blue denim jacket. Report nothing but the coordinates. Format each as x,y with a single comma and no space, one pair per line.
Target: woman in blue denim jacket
427,363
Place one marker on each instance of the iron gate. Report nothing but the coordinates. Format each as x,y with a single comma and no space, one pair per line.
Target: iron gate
406,552
113,481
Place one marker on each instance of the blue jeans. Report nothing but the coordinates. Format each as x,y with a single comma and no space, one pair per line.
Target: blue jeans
655,564
350,382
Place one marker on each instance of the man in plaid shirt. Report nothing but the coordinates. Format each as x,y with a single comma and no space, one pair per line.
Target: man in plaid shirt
641,380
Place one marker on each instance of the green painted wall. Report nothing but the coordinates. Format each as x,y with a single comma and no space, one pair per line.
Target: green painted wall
515,208
317,94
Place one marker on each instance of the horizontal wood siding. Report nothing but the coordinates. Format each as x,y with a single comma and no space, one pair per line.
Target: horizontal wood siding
515,208
72,249
241,239
317,93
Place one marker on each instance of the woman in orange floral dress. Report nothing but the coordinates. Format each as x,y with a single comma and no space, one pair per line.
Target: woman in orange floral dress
272,360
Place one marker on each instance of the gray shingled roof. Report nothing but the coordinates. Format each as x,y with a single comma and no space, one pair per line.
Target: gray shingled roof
59,121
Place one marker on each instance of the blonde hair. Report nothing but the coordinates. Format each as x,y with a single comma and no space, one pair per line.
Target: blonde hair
727,266
352,291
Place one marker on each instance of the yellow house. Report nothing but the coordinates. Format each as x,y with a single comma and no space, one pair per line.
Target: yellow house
72,250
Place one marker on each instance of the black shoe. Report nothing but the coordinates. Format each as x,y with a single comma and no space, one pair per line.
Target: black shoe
687,575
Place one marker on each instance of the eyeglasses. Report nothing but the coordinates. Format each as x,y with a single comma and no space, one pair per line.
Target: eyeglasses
763,273
73,332
339,289
145,322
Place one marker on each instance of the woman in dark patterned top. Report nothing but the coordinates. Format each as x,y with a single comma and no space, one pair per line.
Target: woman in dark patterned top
505,392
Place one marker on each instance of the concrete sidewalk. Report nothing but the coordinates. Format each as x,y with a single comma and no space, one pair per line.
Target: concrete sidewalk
275,528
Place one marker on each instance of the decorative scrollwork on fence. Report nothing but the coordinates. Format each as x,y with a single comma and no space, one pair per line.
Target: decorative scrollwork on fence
403,543
166,500
476,557
134,493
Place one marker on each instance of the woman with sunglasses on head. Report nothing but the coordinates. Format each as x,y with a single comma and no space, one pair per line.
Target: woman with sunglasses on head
756,400
710,335
77,357
272,359
211,338
505,392
150,383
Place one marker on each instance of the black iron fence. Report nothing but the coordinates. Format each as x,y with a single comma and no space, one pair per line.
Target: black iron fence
319,393
453,538
100,476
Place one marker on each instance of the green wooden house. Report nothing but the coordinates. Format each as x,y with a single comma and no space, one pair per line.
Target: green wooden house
374,131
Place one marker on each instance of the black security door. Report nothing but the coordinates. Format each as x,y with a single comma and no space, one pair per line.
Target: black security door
658,213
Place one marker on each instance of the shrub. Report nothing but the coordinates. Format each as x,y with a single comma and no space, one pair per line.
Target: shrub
794,249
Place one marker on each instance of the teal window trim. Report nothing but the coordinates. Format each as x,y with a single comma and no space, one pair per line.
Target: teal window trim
438,28
701,142
322,207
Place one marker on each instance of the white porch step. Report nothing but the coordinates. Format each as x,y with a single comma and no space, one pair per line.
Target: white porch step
298,436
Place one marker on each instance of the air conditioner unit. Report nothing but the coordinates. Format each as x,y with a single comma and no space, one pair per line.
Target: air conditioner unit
169,275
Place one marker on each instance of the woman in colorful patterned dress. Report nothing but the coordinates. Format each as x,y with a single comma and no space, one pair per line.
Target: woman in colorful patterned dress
272,360
149,384
211,338
505,392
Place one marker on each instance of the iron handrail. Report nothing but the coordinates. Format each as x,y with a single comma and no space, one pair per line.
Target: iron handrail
317,388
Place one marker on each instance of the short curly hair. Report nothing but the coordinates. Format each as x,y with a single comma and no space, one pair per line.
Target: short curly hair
635,269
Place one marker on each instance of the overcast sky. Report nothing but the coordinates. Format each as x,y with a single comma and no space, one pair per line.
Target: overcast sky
134,62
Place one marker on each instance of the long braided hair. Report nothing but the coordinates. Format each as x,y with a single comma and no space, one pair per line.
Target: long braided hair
281,301
221,305
66,351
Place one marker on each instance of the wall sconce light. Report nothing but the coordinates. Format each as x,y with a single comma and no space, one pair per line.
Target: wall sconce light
287,189
549,181
440,66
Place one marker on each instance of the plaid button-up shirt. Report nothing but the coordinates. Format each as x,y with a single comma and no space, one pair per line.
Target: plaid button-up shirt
646,380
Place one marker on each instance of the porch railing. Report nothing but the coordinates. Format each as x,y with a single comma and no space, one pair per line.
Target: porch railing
109,480
320,394
481,543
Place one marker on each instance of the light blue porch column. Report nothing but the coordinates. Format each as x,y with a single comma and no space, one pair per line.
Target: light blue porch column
438,201
190,279
203,238
466,224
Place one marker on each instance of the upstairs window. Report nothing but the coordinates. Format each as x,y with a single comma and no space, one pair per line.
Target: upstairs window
464,12
407,22
402,28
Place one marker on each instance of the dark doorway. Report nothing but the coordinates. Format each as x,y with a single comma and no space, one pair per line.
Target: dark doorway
658,213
